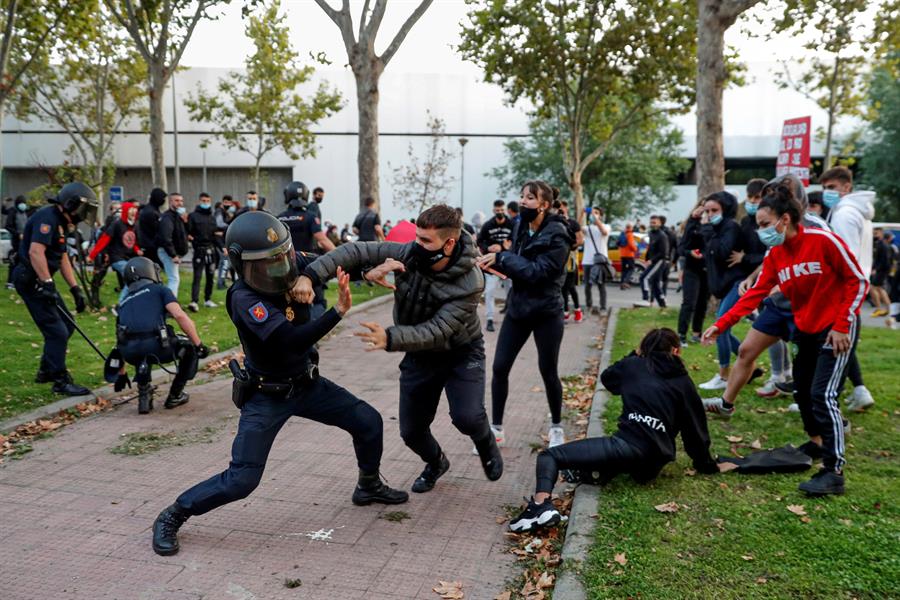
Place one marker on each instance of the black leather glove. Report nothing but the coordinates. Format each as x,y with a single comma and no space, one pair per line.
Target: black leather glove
122,382
46,291
202,351
78,296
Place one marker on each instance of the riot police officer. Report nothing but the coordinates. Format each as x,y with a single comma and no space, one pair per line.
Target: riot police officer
303,221
144,338
281,377
42,252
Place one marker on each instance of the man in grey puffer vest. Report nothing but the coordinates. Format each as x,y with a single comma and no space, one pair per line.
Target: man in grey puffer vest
437,292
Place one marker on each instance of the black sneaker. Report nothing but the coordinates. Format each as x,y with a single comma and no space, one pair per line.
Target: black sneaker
785,387
64,385
165,530
695,339
492,461
811,449
534,516
425,482
145,398
378,493
173,402
43,376
824,483
490,325
756,374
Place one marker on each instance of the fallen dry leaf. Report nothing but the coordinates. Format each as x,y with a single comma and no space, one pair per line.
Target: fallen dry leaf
690,472
449,590
537,388
620,558
500,520
507,595
747,556
734,439
724,467
756,444
797,509
805,519
545,580
761,580
668,507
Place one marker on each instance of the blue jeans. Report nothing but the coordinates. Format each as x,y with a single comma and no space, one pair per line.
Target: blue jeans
726,343
173,277
119,267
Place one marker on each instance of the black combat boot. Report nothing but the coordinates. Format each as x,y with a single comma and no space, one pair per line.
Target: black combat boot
491,460
176,396
425,482
63,384
370,489
44,374
145,398
165,530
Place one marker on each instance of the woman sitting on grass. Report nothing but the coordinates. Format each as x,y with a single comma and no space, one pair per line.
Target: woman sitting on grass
658,400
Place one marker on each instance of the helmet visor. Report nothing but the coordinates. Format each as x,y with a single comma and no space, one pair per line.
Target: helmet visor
85,212
272,275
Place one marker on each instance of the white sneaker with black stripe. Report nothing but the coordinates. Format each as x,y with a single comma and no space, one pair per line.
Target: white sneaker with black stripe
536,515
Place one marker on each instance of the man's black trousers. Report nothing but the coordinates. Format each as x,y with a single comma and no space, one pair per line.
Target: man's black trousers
651,283
694,301
818,379
423,376
150,350
55,329
263,416
607,456
204,261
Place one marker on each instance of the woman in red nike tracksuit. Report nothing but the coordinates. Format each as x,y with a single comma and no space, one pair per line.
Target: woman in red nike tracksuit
826,287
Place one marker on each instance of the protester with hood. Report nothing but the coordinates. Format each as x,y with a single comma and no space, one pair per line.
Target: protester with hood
536,265
851,220
148,223
721,238
119,241
659,401
203,233
694,284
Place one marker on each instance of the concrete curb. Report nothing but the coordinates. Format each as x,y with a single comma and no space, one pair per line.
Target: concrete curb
579,532
159,376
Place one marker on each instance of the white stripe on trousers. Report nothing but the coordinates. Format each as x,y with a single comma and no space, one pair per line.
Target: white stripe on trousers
831,403
650,274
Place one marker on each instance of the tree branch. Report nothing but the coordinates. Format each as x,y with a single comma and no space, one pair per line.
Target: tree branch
198,14
343,20
388,54
7,35
362,20
730,10
375,21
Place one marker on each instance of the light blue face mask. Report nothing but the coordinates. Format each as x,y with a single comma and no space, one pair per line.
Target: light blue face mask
22,207
715,219
750,208
252,203
770,236
181,210
830,198
204,205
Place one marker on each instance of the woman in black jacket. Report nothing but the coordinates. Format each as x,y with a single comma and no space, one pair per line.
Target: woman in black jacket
536,265
659,401
721,238
694,283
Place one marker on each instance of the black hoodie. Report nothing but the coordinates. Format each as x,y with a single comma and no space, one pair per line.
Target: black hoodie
659,400
719,242
148,222
536,264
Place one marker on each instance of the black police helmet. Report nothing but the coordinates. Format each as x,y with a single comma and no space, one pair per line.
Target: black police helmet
296,194
260,250
78,201
141,267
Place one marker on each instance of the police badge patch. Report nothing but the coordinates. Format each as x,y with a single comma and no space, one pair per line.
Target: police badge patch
45,228
258,312
289,313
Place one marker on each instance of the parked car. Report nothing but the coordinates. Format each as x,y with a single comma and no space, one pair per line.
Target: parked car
615,259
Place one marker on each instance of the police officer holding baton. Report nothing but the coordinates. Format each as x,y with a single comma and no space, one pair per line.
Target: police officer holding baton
42,253
281,376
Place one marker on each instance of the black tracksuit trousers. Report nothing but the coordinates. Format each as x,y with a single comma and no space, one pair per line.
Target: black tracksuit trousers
694,300
607,456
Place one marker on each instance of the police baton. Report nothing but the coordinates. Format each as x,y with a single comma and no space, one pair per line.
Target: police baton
69,318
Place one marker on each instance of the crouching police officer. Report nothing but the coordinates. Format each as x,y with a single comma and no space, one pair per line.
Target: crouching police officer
144,338
42,252
281,377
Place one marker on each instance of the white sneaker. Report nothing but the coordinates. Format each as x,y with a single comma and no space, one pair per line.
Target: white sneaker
716,406
557,436
860,400
716,383
793,407
498,437
193,307
642,304
768,390
210,304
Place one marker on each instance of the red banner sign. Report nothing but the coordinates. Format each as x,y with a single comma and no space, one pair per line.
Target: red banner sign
793,155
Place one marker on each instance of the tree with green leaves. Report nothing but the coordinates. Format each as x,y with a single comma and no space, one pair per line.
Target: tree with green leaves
635,174
259,110
880,142
575,61
160,31
424,181
27,26
367,67
89,93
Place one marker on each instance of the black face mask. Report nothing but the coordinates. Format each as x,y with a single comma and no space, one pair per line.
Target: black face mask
500,217
527,215
318,199
426,258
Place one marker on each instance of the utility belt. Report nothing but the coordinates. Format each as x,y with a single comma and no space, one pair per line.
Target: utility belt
245,383
165,334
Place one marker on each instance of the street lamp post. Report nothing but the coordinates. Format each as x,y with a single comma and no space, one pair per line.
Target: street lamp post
175,137
462,170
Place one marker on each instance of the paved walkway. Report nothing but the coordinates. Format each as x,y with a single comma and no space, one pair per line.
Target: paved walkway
75,518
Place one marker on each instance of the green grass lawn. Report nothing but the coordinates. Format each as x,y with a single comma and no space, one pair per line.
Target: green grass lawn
733,535
21,342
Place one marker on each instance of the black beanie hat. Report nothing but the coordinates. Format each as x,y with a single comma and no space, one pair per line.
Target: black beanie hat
157,197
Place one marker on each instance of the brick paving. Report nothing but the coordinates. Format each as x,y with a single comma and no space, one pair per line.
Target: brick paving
75,519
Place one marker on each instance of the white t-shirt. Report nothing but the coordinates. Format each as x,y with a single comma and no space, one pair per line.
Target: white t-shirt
595,235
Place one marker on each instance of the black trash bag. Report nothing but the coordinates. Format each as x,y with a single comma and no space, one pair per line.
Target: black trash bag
786,459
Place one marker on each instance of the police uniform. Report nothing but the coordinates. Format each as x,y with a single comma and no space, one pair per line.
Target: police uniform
280,380
144,339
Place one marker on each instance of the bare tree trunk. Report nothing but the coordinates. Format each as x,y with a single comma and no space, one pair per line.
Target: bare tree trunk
157,85
832,100
256,175
578,194
710,83
367,96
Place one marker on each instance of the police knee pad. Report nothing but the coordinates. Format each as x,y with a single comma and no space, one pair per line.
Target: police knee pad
142,373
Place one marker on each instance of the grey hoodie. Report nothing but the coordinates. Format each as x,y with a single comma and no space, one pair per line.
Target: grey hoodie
851,220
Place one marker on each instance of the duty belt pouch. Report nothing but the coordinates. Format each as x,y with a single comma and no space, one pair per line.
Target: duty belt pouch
241,386
121,335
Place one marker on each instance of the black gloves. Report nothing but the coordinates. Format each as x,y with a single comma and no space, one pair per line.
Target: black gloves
46,291
80,304
202,351
122,382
